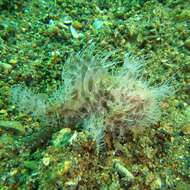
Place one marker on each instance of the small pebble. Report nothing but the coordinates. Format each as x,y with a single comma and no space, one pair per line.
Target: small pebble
13,61
46,161
5,67
187,43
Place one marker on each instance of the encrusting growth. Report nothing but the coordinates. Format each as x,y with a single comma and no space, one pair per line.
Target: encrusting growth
97,94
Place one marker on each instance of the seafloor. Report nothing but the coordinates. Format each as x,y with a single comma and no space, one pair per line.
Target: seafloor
36,37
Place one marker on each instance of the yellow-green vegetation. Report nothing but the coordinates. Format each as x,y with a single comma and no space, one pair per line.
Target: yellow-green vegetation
36,40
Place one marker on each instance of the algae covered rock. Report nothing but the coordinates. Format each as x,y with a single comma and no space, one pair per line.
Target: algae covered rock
14,126
127,177
63,137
